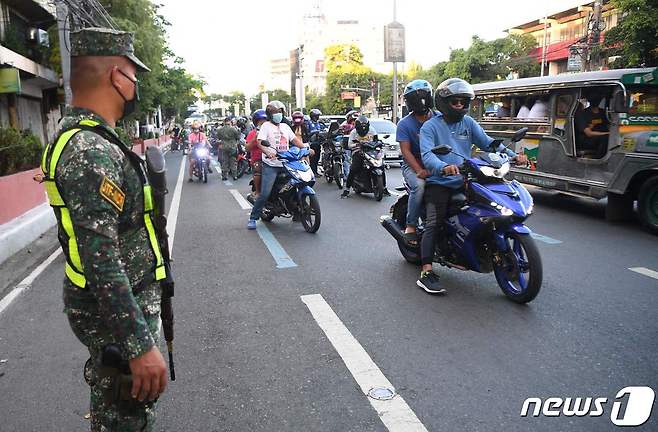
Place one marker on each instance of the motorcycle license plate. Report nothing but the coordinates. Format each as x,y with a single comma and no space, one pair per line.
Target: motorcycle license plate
391,154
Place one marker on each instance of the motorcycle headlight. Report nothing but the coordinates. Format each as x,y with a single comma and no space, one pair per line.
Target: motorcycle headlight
495,172
202,152
305,176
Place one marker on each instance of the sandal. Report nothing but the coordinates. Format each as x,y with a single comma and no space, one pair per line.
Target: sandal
411,238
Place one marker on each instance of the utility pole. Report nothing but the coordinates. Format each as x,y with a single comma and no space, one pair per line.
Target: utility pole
395,74
597,26
543,49
65,53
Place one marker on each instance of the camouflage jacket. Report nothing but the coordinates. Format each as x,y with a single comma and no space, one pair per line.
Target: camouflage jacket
113,242
229,136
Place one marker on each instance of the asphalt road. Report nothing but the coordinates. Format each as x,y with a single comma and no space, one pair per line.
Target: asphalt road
250,356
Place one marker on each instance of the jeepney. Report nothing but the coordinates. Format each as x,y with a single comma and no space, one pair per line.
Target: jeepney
626,168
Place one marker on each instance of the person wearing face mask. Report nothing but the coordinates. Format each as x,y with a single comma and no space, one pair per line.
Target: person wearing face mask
277,136
196,139
98,189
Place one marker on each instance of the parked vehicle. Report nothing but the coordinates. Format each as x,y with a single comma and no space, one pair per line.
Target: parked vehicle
370,179
484,229
386,131
625,169
293,194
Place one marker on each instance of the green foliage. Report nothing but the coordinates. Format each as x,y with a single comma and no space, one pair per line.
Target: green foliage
123,135
635,38
342,58
19,151
178,91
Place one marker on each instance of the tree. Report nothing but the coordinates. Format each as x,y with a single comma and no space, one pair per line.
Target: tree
635,38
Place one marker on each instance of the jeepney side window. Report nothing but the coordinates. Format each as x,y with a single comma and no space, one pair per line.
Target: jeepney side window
643,101
563,105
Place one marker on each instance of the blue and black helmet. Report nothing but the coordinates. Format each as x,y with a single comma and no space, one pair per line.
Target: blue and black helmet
418,96
258,115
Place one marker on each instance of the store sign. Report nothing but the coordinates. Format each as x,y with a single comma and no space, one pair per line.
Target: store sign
10,81
394,46
574,63
347,95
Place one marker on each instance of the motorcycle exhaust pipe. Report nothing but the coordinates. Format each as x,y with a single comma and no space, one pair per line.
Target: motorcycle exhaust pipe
392,227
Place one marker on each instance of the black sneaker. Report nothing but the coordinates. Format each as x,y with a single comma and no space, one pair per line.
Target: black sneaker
429,281
189,180
345,193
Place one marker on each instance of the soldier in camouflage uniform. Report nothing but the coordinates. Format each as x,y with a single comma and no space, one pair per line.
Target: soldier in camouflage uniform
228,137
111,294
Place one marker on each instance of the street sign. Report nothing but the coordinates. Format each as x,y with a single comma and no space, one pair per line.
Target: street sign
357,102
10,81
575,62
394,44
348,95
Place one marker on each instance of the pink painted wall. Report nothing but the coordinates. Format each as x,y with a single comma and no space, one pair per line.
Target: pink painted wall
19,193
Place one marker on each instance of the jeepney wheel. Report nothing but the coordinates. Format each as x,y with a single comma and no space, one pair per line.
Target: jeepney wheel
647,204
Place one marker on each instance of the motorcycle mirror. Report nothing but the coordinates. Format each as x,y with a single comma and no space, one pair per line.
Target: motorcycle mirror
442,149
265,143
519,134
333,127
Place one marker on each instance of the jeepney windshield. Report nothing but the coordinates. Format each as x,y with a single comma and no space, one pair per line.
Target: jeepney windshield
643,100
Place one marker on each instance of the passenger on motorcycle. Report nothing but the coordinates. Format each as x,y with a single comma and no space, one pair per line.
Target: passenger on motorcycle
453,127
259,117
418,96
279,136
347,126
362,132
196,139
299,127
314,125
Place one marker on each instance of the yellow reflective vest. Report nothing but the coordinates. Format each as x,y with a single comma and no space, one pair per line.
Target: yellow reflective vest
73,269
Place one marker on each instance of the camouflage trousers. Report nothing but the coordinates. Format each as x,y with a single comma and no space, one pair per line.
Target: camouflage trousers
107,416
229,160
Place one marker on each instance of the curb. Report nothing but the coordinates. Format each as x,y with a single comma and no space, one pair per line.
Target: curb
23,230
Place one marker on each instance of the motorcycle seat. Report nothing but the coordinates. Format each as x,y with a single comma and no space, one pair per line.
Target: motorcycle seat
457,198
400,188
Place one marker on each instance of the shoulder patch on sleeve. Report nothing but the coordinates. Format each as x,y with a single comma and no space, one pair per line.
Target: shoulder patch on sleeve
112,193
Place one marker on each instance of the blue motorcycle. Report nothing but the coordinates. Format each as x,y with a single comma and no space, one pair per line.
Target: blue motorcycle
292,195
484,229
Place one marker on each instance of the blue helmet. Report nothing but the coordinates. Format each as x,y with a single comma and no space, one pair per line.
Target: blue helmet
418,96
258,115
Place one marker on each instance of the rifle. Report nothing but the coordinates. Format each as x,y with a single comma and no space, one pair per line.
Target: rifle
156,170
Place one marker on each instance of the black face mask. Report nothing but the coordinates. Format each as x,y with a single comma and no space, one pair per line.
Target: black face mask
129,105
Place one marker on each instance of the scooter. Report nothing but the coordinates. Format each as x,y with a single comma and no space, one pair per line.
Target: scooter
244,165
370,179
333,158
484,229
292,195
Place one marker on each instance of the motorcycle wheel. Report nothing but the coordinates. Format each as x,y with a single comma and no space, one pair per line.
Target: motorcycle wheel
310,213
204,172
411,255
379,188
338,175
242,167
520,274
328,173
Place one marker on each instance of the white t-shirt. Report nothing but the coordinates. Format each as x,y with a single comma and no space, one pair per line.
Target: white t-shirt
354,136
279,137
523,112
539,110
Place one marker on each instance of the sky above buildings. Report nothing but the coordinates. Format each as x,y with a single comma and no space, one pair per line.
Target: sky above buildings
230,43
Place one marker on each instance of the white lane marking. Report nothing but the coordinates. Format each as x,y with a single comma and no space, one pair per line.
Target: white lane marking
545,239
217,166
396,415
172,217
27,282
244,204
277,251
645,271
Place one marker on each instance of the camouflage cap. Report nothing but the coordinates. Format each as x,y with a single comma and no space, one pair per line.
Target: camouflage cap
95,41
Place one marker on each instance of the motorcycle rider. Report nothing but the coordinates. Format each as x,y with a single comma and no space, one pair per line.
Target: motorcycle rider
278,136
258,118
196,139
453,127
362,132
228,137
314,125
419,98
299,126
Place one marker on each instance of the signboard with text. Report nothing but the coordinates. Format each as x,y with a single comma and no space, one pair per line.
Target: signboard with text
394,45
10,81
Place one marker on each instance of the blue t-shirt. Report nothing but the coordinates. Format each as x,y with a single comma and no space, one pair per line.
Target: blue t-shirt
459,136
409,130
314,126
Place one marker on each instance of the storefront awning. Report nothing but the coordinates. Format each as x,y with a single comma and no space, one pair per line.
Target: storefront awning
555,51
